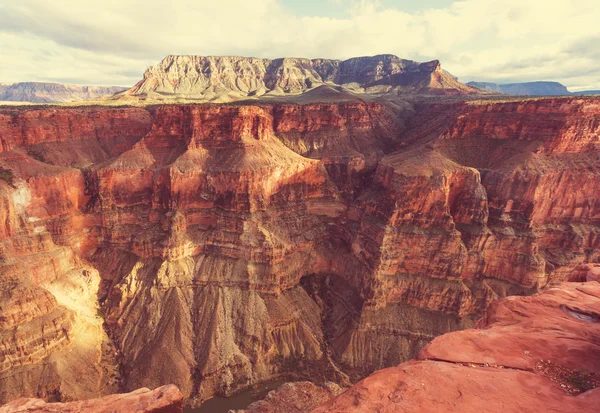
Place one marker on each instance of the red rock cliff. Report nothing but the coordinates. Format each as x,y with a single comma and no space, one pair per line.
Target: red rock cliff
219,246
527,354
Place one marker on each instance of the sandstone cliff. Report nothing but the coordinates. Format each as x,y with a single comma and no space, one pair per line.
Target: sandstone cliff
39,92
528,354
228,78
219,246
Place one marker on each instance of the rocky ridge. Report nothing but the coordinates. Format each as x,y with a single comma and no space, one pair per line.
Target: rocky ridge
220,246
229,78
40,92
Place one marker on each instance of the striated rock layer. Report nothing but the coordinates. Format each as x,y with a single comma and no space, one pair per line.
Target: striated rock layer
220,246
229,78
528,354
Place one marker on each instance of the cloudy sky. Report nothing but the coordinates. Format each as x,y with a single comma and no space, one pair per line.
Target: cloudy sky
111,42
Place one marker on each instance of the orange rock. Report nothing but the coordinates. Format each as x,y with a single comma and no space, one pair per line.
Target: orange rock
166,399
528,354
225,245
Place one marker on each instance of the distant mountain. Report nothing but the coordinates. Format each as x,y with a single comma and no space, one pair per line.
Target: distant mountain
587,92
39,92
229,78
524,89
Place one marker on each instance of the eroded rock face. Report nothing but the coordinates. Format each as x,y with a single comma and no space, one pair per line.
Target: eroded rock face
219,246
166,399
528,354
228,78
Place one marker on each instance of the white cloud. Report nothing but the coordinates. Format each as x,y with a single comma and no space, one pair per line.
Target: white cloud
113,41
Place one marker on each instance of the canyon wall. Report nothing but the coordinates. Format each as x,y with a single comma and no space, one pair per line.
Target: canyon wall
528,354
219,246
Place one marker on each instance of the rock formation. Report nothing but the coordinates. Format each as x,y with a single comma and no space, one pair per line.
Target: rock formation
220,246
228,78
40,92
300,397
525,88
528,354
166,399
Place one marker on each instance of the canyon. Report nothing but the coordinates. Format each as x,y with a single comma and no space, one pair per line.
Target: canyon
219,246
528,354
513,361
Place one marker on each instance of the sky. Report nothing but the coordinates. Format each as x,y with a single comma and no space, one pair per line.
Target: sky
112,42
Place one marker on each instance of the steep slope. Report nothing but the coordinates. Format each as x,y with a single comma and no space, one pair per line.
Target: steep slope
234,244
39,92
528,354
229,78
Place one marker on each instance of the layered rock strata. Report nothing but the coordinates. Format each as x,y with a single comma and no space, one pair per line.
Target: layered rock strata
219,246
228,78
527,354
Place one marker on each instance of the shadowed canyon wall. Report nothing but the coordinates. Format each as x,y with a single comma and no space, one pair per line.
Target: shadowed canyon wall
218,246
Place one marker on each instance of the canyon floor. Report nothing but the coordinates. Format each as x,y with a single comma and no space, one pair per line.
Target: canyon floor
527,354
324,237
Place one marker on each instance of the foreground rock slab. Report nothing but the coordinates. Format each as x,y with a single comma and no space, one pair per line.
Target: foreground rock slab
528,354
165,399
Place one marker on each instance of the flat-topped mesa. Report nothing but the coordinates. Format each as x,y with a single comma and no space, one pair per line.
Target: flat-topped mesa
43,92
367,70
228,78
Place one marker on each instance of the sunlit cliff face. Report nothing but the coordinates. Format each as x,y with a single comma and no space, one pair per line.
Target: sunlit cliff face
220,246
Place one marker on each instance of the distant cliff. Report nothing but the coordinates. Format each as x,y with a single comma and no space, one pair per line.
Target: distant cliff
39,92
229,78
525,89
